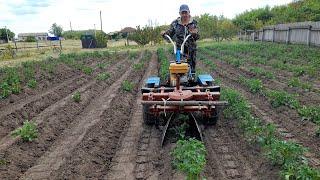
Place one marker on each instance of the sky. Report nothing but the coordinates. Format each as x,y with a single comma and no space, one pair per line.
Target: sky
23,16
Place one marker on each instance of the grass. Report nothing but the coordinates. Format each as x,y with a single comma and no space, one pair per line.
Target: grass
32,83
76,97
127,86
28,132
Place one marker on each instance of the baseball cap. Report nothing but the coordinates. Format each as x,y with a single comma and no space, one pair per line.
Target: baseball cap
184,7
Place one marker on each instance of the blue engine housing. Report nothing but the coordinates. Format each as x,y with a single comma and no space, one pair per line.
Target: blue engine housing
205,80
153,82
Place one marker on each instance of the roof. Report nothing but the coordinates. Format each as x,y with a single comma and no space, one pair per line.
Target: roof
33,34
128,30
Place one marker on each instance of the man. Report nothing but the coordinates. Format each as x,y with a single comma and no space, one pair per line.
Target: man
180,28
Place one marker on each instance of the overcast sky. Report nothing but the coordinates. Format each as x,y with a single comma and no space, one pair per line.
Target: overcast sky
37,16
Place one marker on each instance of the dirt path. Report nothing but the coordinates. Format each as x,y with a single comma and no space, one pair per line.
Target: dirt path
132,159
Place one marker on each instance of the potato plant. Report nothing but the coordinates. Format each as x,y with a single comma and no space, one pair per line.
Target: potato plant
28,132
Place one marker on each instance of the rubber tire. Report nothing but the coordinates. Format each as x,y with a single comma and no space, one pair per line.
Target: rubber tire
148,118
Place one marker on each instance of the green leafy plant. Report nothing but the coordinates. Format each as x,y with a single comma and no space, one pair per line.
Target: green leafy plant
127,86
189,156
311,113
254,85
76,97
101,65
5,90
87,70
28,132
138,66
280,98
32,83
103,76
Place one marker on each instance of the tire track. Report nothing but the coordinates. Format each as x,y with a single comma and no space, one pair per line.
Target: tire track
132,158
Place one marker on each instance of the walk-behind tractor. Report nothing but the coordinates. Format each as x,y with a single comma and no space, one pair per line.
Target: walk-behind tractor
182,93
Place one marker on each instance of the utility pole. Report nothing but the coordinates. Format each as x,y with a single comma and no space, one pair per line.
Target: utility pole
70,26
7,33
100,21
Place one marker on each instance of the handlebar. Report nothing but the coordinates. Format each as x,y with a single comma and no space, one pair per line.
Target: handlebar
175,46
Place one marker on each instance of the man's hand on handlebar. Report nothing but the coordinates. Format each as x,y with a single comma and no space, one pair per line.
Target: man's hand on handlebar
193,30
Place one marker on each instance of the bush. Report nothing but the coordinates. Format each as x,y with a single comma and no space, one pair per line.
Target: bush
30,39
102,39
28,132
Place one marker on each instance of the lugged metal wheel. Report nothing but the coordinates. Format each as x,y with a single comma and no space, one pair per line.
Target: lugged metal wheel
148,118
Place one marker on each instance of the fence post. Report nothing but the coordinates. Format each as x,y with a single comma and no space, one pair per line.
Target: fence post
273,33
37,43
245,35
240,35
309,35
15,44
288,36
60,44
262,34
254,35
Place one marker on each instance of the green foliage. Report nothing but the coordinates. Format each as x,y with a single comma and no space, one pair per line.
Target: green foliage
5,90
283,152
133,55
30,39
103,76
56,30
189,156
138,66
295,82
280,98
76,96
254,85
127,86
87,70
261,72
288,155
28,132
311,113
296,11
164,63
3,34
32,83
218,28
101,65
145,35
8,53
102,39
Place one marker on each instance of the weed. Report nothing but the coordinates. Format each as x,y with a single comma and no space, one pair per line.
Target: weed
32,83
87,70
138,66
5,90
127,86
189,156
101,65
295,82
103,76
28,132
76,97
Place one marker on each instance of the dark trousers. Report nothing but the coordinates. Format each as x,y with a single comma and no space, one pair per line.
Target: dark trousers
192,56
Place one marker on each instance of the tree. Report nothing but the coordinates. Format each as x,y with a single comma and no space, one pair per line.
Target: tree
3,34
56,30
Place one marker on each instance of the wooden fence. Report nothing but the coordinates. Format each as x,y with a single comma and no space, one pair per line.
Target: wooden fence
307,33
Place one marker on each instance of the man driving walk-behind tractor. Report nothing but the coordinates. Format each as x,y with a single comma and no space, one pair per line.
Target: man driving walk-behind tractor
182,27
183,93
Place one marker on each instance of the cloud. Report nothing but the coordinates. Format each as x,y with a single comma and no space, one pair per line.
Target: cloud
23,10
